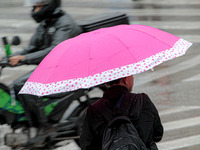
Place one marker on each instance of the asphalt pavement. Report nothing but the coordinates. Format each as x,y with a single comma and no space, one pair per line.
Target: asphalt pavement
173,86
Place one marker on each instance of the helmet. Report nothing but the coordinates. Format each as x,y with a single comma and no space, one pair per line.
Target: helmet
46,11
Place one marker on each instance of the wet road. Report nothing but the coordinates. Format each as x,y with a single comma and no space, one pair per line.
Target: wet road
174,86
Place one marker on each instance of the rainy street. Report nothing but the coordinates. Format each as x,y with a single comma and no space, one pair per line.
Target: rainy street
173,86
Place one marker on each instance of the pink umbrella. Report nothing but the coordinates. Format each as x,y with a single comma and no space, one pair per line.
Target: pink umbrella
103,55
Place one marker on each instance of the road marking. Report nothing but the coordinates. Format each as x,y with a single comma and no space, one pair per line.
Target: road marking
179,143
20,68
178,110
15,23
170,25
168,126
137,12
193,78
191,38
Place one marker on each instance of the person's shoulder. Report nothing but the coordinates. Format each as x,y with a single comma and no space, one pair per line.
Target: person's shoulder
95,104
141,98
65,19
139,95
91,107
92,111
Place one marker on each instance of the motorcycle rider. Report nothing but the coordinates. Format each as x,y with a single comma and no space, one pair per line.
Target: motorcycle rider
55,26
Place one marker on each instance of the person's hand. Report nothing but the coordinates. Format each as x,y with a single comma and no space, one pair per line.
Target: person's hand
14,60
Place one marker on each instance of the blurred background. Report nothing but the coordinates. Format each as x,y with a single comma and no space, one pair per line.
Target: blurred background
173,86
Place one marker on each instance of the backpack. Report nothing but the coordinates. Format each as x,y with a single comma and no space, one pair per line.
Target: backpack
120,133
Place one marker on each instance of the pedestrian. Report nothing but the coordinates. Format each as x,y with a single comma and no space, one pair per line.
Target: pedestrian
145,116
55,26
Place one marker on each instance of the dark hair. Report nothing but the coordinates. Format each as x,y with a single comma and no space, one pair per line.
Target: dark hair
113,82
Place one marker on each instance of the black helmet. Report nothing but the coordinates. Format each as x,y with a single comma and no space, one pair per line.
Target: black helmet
46,11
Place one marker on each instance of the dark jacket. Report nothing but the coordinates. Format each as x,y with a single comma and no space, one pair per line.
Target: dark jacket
49,34
145,118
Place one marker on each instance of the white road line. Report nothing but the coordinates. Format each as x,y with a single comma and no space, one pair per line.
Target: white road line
178,110
167,2
191,38
184,2
19,68
168,126
179,143
170,25
137,12
24,35
15,23
193,78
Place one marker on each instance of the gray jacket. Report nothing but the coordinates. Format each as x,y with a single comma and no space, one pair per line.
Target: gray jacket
49,34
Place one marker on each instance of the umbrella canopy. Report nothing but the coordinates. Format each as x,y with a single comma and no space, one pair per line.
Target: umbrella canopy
103,55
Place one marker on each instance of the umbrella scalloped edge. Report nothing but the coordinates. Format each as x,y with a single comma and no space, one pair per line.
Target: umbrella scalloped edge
39,89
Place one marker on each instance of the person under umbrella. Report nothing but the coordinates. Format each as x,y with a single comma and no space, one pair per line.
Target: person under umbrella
143,112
